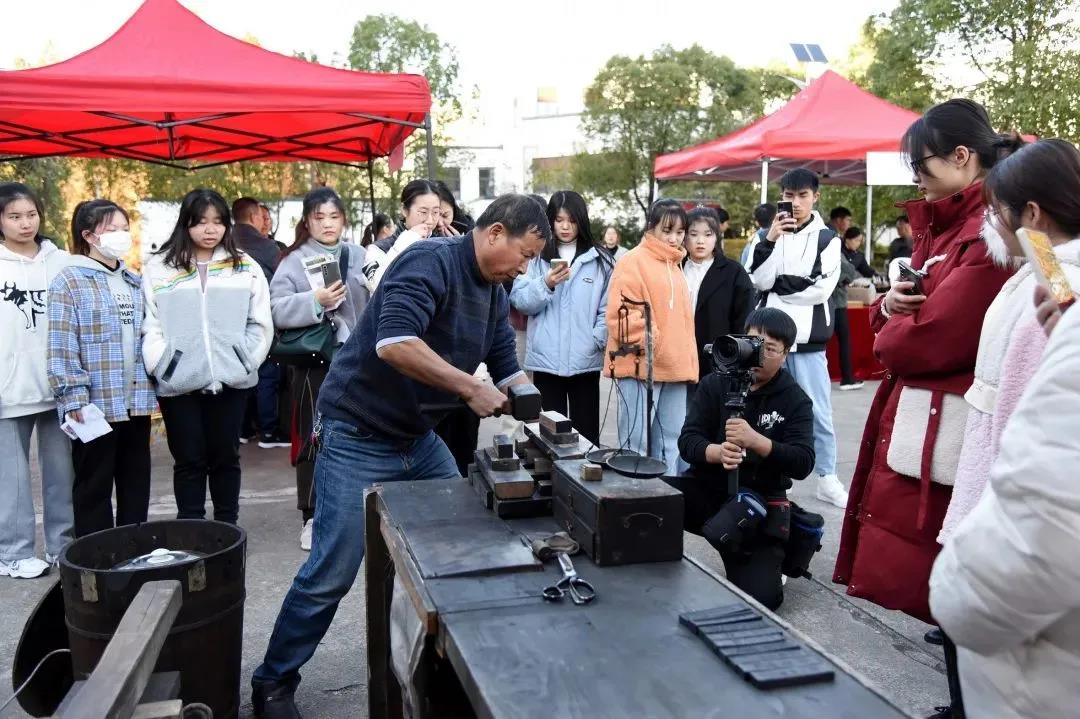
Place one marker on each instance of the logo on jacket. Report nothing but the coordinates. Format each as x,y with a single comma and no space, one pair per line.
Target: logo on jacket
30,302
770,420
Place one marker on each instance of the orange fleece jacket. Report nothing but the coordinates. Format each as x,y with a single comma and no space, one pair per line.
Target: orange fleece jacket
652,272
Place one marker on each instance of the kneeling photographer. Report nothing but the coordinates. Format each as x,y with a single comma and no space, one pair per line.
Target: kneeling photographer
741,469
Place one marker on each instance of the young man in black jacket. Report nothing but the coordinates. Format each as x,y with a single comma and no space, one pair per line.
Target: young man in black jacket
772,445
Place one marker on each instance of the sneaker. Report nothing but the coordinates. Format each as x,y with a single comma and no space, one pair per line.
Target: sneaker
831,491
245,438
28,568
305,536
275,439
783,580
847,387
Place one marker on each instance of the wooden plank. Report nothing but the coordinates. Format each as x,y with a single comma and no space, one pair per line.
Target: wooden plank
114,687
384,693
170,709
408,574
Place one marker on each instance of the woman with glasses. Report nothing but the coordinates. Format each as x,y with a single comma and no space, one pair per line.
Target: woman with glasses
927,339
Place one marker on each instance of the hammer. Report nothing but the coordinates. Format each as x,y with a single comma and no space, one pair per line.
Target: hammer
524,403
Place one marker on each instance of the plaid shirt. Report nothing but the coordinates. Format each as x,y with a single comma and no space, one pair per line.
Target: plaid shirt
86,358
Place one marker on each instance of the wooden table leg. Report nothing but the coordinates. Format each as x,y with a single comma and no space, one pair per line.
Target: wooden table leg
384,693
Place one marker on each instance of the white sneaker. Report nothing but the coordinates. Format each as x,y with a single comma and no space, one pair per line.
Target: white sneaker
850,386
28,568
783,580
831,491
305,536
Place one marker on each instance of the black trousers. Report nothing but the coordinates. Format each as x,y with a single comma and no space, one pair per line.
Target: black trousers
460,431
843,336
204,438
305,384
579,393
755,566
119,459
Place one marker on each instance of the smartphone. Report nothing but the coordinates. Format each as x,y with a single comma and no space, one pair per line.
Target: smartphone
558,264
785,208
1044,263
907,274
331,273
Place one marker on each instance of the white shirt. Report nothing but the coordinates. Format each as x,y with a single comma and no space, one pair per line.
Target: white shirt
567,250
695,275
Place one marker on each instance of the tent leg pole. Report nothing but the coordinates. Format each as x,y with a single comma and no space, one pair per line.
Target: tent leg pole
430,147
371,187
764,181
868,247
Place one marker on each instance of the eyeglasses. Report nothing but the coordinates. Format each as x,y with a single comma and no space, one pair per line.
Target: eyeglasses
773,351
918,165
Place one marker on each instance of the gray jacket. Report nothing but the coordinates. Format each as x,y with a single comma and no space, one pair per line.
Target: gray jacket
292,301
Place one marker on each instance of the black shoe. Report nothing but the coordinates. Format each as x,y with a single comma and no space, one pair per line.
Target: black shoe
274,439
246,437
274,701
935,637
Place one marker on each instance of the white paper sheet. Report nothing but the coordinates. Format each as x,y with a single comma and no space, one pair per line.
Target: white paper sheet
92,426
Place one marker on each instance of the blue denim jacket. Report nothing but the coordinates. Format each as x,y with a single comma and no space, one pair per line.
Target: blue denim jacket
86,359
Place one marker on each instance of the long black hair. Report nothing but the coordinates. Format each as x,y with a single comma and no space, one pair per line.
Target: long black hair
952,124
11,191
574,205
1047,173
179,249
463,221
87,217
374,228
312,202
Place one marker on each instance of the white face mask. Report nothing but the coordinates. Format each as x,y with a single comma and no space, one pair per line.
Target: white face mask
114,245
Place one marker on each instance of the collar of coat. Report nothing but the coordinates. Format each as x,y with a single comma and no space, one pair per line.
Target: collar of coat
945,214
662,250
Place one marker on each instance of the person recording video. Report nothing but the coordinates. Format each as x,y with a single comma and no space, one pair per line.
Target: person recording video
770,446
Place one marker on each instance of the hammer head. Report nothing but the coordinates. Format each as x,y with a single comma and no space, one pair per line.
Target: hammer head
524,402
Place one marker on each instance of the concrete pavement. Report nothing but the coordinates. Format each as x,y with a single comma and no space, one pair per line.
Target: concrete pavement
885,646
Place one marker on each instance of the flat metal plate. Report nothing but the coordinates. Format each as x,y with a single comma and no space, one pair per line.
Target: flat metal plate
467,547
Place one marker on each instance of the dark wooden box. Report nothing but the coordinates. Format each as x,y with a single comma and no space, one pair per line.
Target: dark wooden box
619,520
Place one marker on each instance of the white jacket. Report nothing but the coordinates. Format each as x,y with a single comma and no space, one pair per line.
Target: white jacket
1006,586
195,339
377,261
24,329
799,278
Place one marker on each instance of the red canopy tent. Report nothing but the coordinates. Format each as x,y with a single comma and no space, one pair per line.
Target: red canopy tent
168,88
828,127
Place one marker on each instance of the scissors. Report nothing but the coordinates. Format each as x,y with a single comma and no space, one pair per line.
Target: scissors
580,591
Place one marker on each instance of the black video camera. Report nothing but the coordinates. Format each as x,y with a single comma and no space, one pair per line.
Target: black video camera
736,354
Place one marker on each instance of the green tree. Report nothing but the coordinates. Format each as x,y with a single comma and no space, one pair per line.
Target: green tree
387,43
1020,59
638,108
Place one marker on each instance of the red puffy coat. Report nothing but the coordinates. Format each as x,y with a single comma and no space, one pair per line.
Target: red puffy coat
888,542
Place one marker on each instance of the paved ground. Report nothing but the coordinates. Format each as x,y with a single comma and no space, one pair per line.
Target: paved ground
886,646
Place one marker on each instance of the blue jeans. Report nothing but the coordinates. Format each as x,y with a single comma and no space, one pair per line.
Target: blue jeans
266,397
347,464
811,371
669,413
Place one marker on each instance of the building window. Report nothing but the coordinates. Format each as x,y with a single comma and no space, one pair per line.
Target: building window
452,177
487,183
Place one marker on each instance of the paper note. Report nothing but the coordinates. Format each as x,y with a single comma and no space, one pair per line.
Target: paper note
93,424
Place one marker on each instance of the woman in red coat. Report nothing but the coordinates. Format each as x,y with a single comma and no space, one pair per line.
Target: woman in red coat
927,342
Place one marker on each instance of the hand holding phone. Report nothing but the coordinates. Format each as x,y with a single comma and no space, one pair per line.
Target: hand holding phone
331,273
907,274
784,222
560,271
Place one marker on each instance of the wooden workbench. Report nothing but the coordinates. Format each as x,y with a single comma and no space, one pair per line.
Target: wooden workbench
511,654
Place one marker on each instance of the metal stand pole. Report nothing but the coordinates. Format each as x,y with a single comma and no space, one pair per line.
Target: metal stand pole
430,147
764,180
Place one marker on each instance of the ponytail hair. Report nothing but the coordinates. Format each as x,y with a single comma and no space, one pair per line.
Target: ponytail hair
956,123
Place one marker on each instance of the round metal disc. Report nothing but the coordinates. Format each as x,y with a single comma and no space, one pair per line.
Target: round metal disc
636,466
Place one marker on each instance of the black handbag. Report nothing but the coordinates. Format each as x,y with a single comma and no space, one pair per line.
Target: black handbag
311,346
